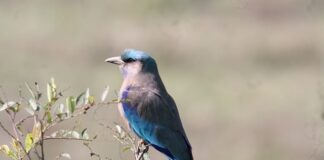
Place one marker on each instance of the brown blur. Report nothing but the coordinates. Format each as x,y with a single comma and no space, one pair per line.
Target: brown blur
246,74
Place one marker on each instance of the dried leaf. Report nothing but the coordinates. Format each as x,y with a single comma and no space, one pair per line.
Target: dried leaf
30,111
81,99
7,105
36,133
119,129
87,94
84,134
30,90
49,93
104,94
64,155
33,104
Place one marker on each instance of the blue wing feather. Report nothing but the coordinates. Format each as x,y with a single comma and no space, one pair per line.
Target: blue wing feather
155,122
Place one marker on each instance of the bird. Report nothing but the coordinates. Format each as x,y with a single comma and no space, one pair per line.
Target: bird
147,108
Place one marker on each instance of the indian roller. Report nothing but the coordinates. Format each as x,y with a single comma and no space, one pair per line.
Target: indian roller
148,109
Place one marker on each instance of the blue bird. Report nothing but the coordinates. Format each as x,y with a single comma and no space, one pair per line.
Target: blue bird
148,108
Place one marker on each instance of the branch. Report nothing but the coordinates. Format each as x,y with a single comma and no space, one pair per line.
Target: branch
15,138
67,138
7,131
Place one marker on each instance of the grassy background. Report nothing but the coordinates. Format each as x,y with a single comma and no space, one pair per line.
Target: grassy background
246,74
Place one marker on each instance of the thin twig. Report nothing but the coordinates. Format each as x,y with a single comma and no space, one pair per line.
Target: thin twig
37,153
15,138
24,119
14,127
12,118
7,131
66,138
41,142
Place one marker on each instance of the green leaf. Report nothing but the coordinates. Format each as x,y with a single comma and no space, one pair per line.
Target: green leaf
71,103
18,150
51,91
91,100
29,142
7,151
126,148
104,94
48,116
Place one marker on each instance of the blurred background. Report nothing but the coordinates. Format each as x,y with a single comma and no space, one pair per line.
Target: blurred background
246,74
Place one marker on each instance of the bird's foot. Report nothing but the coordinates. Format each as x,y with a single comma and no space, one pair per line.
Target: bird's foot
142,148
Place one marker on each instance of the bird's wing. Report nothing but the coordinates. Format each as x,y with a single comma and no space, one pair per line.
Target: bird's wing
158,122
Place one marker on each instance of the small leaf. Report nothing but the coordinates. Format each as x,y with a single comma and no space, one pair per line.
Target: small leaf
91,100
53,84
29,142
33,104
7,105
30,90
36,133
146,156
81,99
17,147
30,111
60,111
126,149
49,93
104,94
71,103
84,134
87,94
54,134
119,129
39,93
48,116
64,155
84,131
61,108
7,151
73,134
15,108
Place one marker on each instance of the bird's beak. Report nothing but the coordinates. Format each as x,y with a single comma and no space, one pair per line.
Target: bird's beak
115,60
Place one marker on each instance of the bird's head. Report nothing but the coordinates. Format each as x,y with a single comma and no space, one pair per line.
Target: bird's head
132,62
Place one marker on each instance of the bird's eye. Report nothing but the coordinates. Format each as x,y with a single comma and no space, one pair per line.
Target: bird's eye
128,60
